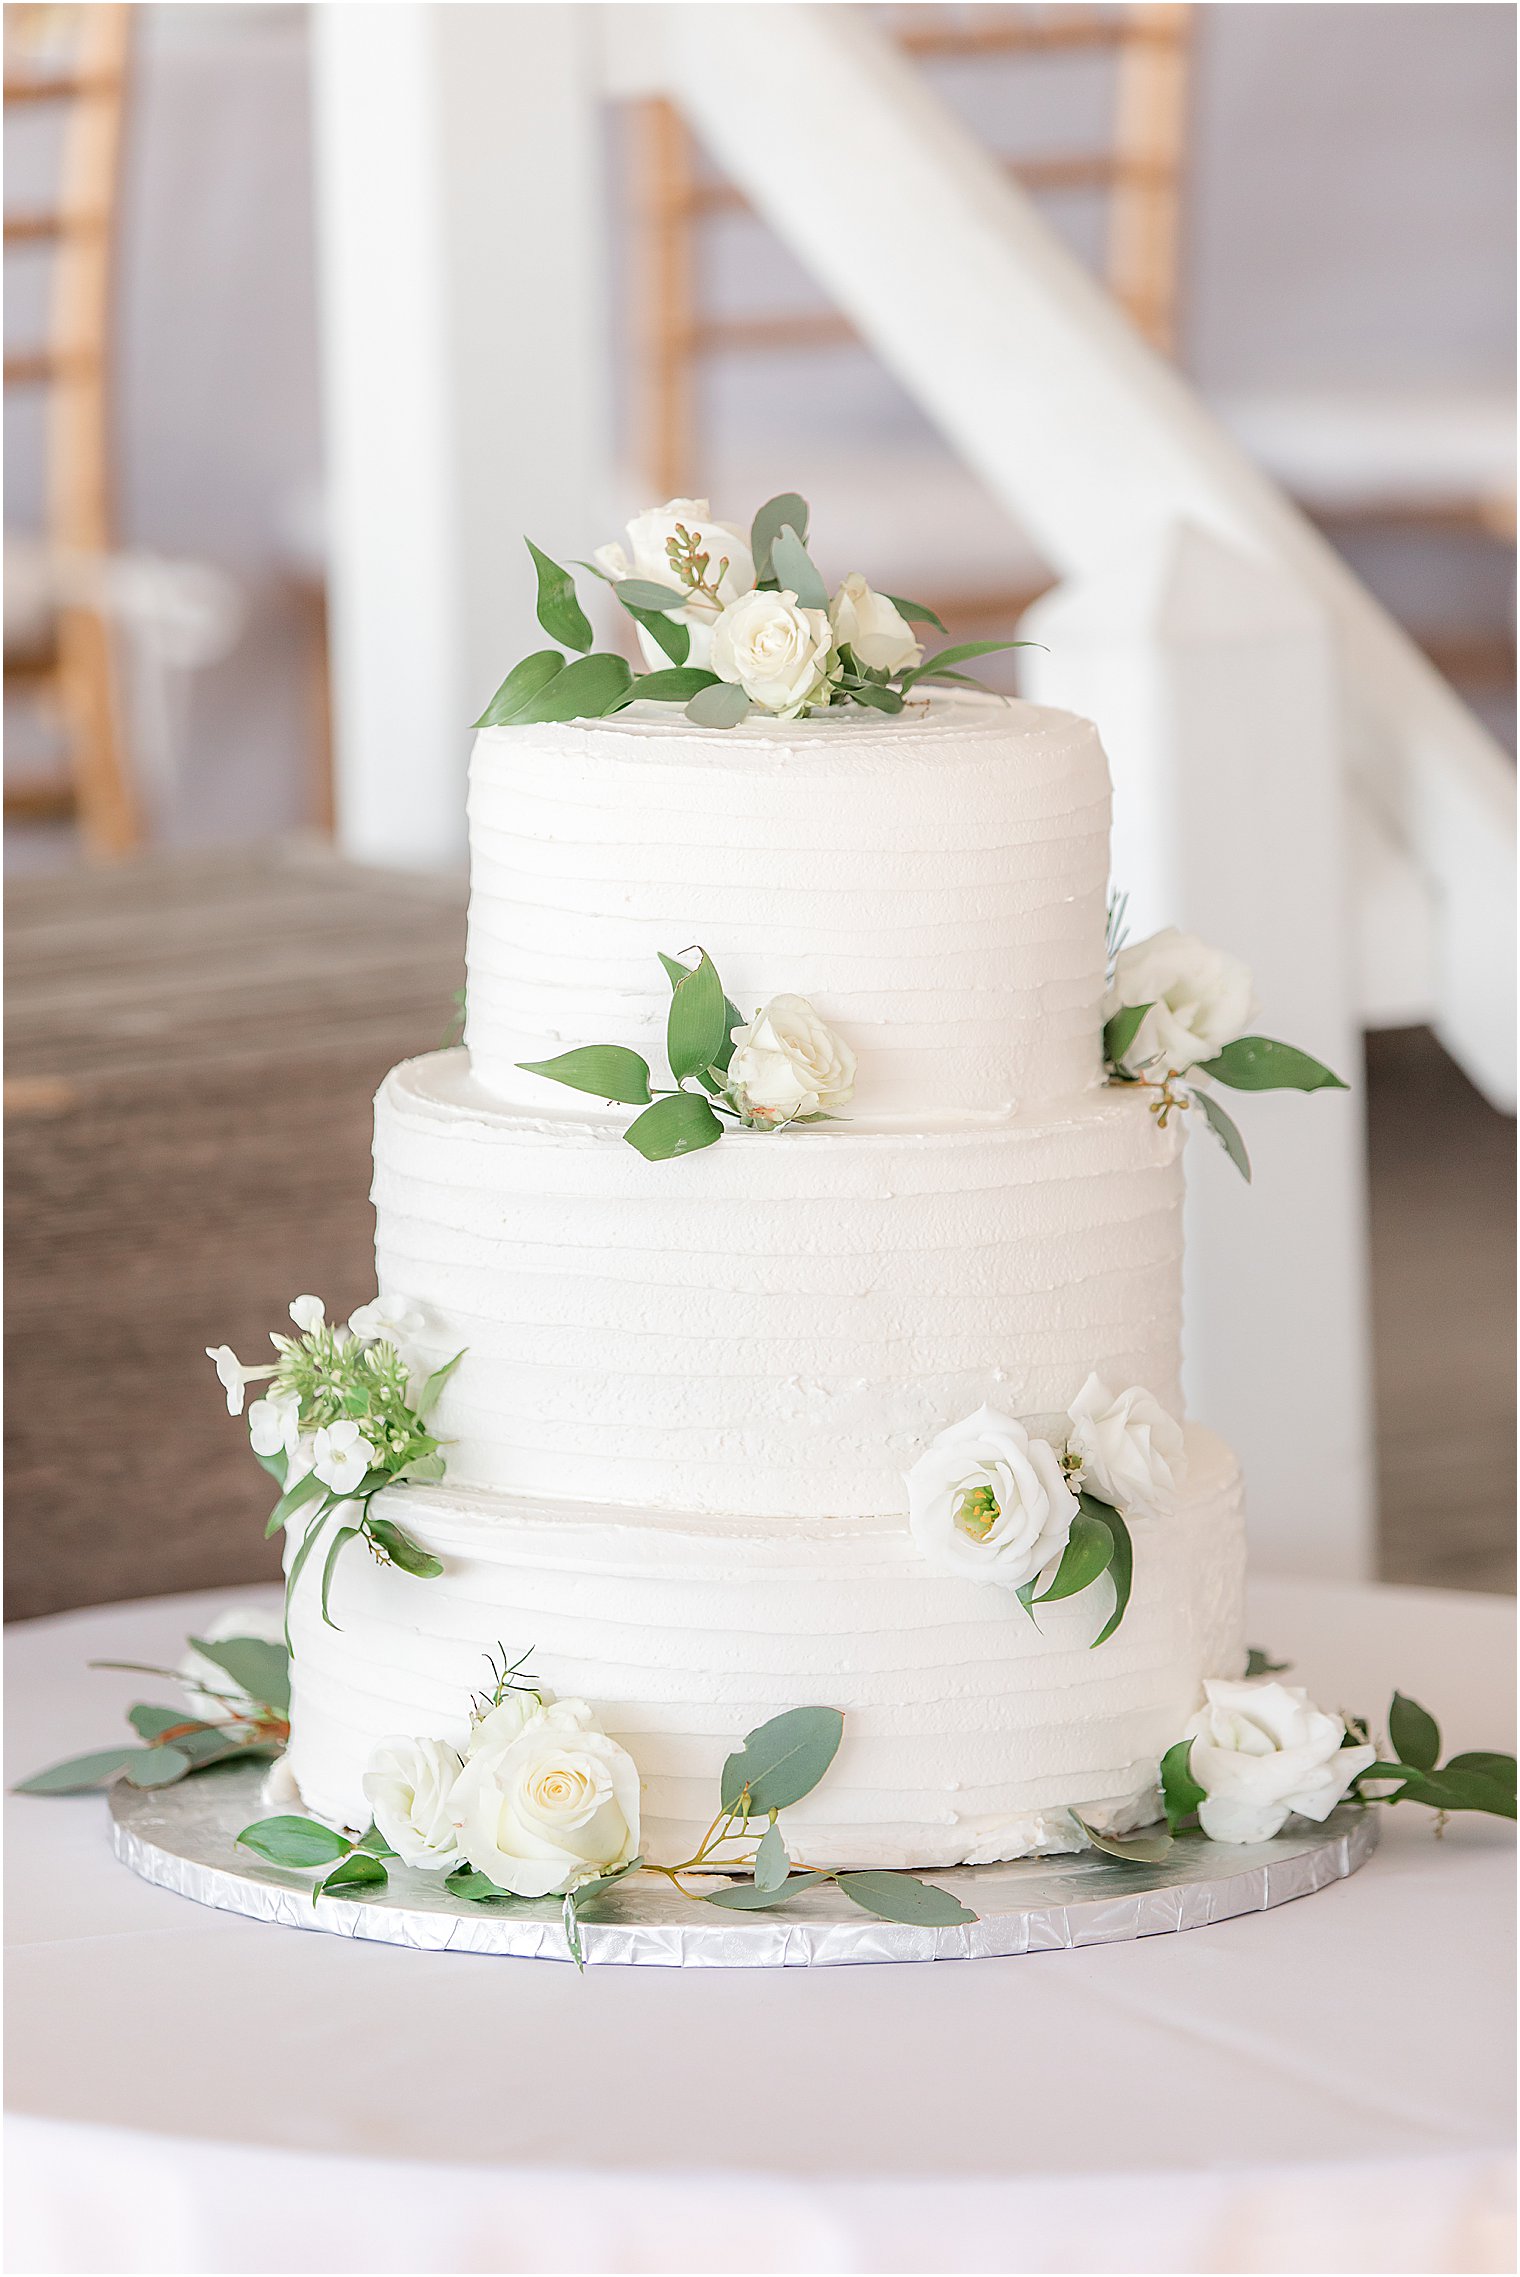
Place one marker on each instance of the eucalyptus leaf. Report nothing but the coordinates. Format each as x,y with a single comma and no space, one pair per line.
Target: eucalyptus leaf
1121,1571
403,1551
1135,1849
1415,1734
428,1399
607,1071
644,593
587,689
153,1722
359,1871
259,1668
587,1893
571,1920
721,705
902,1897
792,568
78,1774
559,612
772,1865
335,1549
962,653
676,686
782,1760
694,1033
203,1748
1180,1791
667,633
290,1841
1120,1032
1224,1129
683,1123
1088,1552
786,512
160,1767
1256,1063
915,613
748,1897
525,681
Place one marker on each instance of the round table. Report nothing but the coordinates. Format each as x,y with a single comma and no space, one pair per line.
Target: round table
1325,2087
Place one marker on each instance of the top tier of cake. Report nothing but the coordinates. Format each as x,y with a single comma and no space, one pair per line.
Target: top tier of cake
934,883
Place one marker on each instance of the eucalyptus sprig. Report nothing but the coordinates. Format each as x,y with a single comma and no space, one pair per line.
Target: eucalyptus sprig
171,1745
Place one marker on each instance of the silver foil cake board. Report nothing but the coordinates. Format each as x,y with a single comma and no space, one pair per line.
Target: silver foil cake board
184,1838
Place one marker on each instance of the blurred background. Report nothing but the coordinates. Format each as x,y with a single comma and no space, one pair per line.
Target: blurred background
1310,210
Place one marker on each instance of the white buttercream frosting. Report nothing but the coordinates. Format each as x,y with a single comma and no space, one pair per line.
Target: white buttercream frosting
778,1325
970,1734
934,884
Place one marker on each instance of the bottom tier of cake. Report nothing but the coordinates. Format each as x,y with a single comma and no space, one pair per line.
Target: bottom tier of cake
970,1733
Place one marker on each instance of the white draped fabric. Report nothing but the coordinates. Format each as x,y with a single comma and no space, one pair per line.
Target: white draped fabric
1322,2088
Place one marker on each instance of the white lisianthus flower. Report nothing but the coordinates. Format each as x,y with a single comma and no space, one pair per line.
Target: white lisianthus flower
408,1784
550,1808
309,1314
872,627
210,1693
274,1423
387,1320
646,556
781,656
1133,1452
789,1064
1261,1750
341,1455
988,1502
233,1377
1200,999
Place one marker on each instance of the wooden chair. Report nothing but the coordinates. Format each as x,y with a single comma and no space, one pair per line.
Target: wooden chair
74,60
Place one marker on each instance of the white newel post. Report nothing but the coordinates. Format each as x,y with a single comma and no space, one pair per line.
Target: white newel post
462,302
1212,679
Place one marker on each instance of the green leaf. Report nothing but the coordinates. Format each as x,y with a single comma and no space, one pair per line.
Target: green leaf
586,1893
1134,1849
152,1721
424,1406
403,1551
1498,1768
1259,1663
792,568
675,972
1180,1791
673,687
308,1544
915,613
961,654
1448,1790
694,1032
645,593
786,512
260,1669
162,1766
375,1843
607,1071
772,1865
1255,1063
295,1498
359,1871
667,633
587,689
875,699
478,1888
721,705
335,1549
288,1841
559,612
1224,1129
276,1464
681,1124
1415,1734
207,1747
1121,1571
1120,1032
748,1897
521,685
1088,1552
79,1773
782,1760
902,1897
571,1921
422,1470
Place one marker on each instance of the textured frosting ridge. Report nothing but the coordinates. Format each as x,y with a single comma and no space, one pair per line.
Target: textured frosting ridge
969,1733
773,1327
935,884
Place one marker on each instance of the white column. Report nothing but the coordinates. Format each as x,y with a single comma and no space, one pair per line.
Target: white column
465,370
1211,678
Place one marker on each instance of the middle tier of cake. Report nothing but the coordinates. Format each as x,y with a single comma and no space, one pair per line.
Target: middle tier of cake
775,1326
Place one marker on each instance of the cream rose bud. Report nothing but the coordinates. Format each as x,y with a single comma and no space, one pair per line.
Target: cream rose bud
1132,1451
210,1693
789,1064
1261,1750
872,627
549,1808
645,556
780,655
1200,999
988,1502
409,1785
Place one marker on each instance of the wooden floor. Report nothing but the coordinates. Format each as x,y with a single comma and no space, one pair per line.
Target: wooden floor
194,1043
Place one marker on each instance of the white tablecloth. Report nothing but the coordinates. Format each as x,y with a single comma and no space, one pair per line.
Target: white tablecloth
1322,2088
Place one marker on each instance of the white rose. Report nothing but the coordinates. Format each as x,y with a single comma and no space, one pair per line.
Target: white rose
1132,1451
645,556
408,1784
210,1693
386,1320
341,1455
873,627
1262,1749
503,1722
789,1064
1200,999
988,1502
274,1423
552,1807
309,1314
780,655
